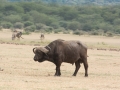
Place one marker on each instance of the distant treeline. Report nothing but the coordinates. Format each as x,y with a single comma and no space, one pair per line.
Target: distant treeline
40,16
76,2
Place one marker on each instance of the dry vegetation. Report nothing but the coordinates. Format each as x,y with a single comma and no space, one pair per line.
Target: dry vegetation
18,71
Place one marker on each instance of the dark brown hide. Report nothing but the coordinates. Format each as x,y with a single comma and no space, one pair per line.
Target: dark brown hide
64,51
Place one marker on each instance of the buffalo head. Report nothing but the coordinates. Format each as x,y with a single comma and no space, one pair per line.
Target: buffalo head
40,53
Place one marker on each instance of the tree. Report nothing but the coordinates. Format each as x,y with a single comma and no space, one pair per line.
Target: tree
116,21
55,25
87,27
27,17
67,13
13,18
12,9
74,25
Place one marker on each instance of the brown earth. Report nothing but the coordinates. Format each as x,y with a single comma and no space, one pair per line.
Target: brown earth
18,71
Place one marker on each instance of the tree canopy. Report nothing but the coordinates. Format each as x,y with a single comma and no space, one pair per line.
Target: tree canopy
54,16
76,2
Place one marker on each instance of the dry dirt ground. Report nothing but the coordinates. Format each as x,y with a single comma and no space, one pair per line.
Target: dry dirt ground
18,71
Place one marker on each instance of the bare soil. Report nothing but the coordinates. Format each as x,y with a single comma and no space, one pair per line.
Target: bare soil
18,70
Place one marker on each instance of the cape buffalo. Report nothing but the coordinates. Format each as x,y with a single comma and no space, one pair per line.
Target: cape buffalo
60,51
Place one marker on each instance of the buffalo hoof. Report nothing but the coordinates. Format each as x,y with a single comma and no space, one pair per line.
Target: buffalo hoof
86,75
73,75
57,75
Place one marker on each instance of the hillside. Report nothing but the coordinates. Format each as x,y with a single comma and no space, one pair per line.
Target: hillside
38,16
85,2
78,2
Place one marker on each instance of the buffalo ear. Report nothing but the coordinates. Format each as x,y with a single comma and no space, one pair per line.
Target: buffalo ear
44,50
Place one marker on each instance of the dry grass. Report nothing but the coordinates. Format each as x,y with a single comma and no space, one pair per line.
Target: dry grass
18,71
90,41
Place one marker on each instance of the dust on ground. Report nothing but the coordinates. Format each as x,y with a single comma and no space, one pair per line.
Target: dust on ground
18,70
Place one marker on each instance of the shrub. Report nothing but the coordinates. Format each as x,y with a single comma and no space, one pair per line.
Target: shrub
6,25
117,31
12,18
55,25
109,34
57,31
74,25
66,32
27,23
63,24
30,28
27,17
18,25
94,32
0,27
49,29
78,32
39,26
26,33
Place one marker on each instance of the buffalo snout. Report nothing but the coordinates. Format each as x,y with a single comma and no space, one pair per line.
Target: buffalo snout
35,59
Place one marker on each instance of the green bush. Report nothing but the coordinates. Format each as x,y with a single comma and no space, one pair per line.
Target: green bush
27,17
109,34
55,25
18,25
57,31
6,25
26,33
12,18
28,23
39,26
74,25
66,32
94,32
63,24
30,28
0,27
49,30
78,32
117,30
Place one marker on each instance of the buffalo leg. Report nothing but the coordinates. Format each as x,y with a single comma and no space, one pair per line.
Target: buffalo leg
86,67
58,73
77,64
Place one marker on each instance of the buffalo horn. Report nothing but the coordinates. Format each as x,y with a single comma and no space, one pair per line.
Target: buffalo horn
48,47
43,49
34,50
